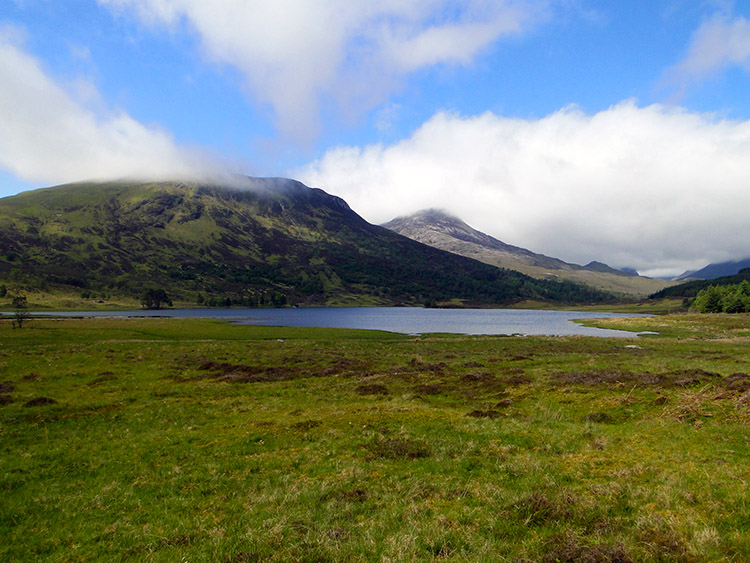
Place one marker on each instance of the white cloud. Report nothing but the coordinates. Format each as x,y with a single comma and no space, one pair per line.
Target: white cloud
296,53
717,44
657,188
51,134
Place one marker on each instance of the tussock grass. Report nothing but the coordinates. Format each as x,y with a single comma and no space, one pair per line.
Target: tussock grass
167,439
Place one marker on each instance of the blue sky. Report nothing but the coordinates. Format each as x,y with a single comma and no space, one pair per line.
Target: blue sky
587,130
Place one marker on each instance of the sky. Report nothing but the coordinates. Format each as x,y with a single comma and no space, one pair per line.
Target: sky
581,129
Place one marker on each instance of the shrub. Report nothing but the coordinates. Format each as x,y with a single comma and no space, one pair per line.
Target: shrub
155,299
21,314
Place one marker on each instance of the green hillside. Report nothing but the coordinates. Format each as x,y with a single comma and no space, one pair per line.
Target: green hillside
274,242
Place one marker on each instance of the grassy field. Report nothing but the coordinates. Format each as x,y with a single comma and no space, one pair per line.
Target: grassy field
193,440
50,301
69,301
642,306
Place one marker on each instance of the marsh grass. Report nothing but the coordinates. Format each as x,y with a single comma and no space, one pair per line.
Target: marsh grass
168,440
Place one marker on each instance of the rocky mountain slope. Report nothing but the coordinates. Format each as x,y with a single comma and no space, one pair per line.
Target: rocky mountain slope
442,230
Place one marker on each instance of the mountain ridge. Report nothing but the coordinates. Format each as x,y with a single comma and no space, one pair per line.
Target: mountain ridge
438,221
716,270
444,230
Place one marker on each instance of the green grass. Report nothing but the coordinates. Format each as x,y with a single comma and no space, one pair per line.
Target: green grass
58,300
195,440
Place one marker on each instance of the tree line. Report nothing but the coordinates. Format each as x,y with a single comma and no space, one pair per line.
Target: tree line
733,298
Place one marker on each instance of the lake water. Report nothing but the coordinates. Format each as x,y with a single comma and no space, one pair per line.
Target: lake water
404,320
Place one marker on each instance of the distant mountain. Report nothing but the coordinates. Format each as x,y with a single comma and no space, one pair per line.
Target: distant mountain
274,242
691,288
447,232
717,270
605,269
630,271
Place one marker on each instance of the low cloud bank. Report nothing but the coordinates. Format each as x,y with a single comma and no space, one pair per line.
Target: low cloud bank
657,188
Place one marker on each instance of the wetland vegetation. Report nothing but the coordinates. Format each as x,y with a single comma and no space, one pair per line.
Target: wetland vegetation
196,440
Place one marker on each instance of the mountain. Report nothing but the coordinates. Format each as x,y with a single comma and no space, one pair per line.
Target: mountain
603,268
630,271
717,270
691,288
273,241
442,230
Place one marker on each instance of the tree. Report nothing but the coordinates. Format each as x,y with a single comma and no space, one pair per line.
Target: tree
734,303
710,300
21,313
155,299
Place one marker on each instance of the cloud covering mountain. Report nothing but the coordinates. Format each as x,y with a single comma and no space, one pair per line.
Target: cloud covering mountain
652,187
